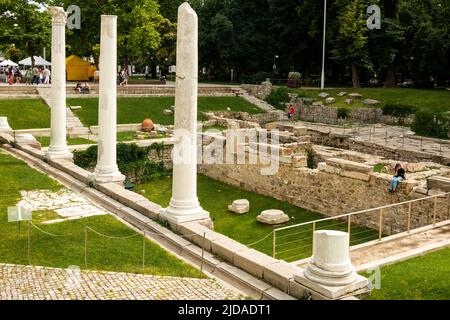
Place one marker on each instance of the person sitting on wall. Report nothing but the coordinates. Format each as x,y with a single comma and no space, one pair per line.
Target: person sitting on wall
78,87
399,176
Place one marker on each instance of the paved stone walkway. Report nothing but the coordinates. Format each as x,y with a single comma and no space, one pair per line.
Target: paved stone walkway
19,282
66,203
388,136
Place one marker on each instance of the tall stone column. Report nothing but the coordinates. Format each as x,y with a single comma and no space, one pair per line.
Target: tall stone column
106,169
184,205
58,145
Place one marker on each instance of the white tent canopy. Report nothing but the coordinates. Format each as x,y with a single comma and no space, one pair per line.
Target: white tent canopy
8,63
38,61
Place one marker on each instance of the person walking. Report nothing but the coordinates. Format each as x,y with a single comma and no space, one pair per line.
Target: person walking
11,75
35,74
46,74
291,113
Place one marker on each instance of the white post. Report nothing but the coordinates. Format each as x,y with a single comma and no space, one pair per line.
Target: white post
106,169
322,78
184,205
58,145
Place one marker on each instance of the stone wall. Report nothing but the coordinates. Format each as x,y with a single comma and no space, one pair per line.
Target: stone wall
259,118
332,190
329,115
260,91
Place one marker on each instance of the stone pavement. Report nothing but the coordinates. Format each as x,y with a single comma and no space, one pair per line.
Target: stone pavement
387,136
18,282
66,203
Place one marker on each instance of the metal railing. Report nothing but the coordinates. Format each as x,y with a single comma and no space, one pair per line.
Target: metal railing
295,242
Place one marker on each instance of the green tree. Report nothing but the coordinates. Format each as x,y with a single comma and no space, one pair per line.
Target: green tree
23,24
350,37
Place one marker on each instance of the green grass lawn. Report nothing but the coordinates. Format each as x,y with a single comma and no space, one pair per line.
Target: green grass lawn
421,278
135,110
438,100
25,113
215,197
45,141
103,254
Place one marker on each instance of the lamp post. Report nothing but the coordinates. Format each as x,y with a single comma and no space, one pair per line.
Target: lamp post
322,78
275,57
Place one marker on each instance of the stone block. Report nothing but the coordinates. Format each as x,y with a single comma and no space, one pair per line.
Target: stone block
355,95
439,182
300,130
360,284
239,206
349,165
226,248
342,93
323,95
330,100
272,216
371,102
299,161
271,125
252,261
355,175
279,274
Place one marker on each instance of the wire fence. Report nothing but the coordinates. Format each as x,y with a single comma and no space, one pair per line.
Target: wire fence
295,242
94,246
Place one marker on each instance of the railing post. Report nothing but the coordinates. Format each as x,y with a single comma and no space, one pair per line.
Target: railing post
274,241
380,227
448,205
434,210
409,217
143,251
85,246
349,225
29,243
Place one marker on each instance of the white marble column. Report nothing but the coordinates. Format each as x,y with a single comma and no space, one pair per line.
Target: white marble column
106,169
58,145
184,205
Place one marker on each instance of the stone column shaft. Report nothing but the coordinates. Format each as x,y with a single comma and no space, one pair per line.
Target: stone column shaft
106,169
184,205
58,145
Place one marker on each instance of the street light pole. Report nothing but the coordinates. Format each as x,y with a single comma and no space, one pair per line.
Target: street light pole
322,79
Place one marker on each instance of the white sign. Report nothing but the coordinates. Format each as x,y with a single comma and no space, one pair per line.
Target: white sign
374,20
19,214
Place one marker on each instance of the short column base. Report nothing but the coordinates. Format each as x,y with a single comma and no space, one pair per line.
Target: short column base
178,216
105,177
58,153
359,285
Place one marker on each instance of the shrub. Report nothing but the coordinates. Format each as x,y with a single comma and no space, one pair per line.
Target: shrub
310,160
278,97
342,112
132,161
294,75
428,123
398,110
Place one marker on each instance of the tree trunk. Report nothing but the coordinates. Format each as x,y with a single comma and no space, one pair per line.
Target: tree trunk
355,76
389,81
